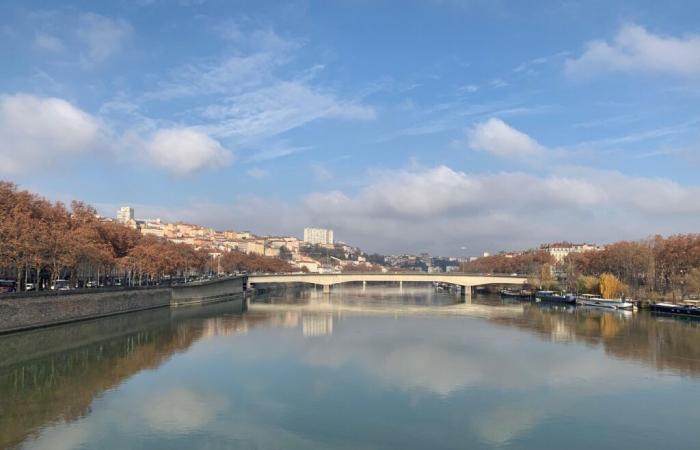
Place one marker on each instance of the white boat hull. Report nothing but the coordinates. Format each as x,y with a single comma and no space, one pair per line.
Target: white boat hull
602,303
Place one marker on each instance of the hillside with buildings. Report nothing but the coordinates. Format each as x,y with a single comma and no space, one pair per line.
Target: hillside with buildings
316,252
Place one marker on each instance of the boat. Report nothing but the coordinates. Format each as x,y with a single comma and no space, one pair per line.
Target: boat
675,309
552,297
441,286
522,295
598,302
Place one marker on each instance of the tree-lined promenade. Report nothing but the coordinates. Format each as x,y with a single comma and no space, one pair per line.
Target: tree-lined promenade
655,268
43,241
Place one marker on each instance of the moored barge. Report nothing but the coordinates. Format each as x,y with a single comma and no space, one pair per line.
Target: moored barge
675,309
552,297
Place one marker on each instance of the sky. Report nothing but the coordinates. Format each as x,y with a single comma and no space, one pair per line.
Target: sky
443,126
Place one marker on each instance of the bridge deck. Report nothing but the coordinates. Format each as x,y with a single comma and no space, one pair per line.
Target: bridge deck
329,279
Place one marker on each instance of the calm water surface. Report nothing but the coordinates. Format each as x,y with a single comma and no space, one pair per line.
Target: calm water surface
379,369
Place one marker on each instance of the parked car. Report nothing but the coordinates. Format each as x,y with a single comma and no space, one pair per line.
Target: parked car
60,285
7,286
30,287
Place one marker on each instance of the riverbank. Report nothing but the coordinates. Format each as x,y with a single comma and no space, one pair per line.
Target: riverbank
20,312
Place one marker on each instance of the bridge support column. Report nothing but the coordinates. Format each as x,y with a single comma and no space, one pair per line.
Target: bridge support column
400,286
465,294
364,286
327,289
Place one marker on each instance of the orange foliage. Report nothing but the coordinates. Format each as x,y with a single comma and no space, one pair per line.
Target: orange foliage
525,263
41,241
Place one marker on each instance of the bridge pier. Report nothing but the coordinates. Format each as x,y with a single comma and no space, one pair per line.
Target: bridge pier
364,286
465,294
326,289
400,286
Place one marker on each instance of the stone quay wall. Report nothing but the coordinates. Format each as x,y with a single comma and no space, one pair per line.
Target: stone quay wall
209,291
33,310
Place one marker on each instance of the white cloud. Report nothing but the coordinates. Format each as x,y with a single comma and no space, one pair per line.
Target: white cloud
254,96
276,150
48,42
505,210
235,74
257,172
184,150
279,107
102,35
38,131
321,172
497,137
439,209
497,83
471,88
634,49
528,67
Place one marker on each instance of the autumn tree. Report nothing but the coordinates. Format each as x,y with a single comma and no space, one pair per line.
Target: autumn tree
587,284
611,287
41,241
692,283
236,261
529,263
362,267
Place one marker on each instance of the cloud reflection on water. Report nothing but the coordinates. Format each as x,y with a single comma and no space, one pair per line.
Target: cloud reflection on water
283,380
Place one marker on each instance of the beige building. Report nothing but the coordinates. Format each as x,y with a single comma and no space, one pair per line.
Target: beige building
272,251
273,245
254,247
148,231
561,250
232,235
152,227
309,264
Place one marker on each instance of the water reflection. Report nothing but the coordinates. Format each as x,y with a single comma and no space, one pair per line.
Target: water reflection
377,368
666,343
54,374
317,325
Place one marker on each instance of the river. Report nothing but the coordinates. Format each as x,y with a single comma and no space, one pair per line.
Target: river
380,368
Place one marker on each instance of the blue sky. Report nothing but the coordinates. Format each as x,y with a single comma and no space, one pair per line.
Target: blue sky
405,126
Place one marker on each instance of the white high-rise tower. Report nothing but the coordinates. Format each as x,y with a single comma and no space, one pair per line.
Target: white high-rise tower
318,236
125,214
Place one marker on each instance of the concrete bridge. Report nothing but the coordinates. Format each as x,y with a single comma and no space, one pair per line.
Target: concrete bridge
330,279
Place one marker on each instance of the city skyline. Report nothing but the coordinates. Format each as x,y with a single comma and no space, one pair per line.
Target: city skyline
442,125
313,236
